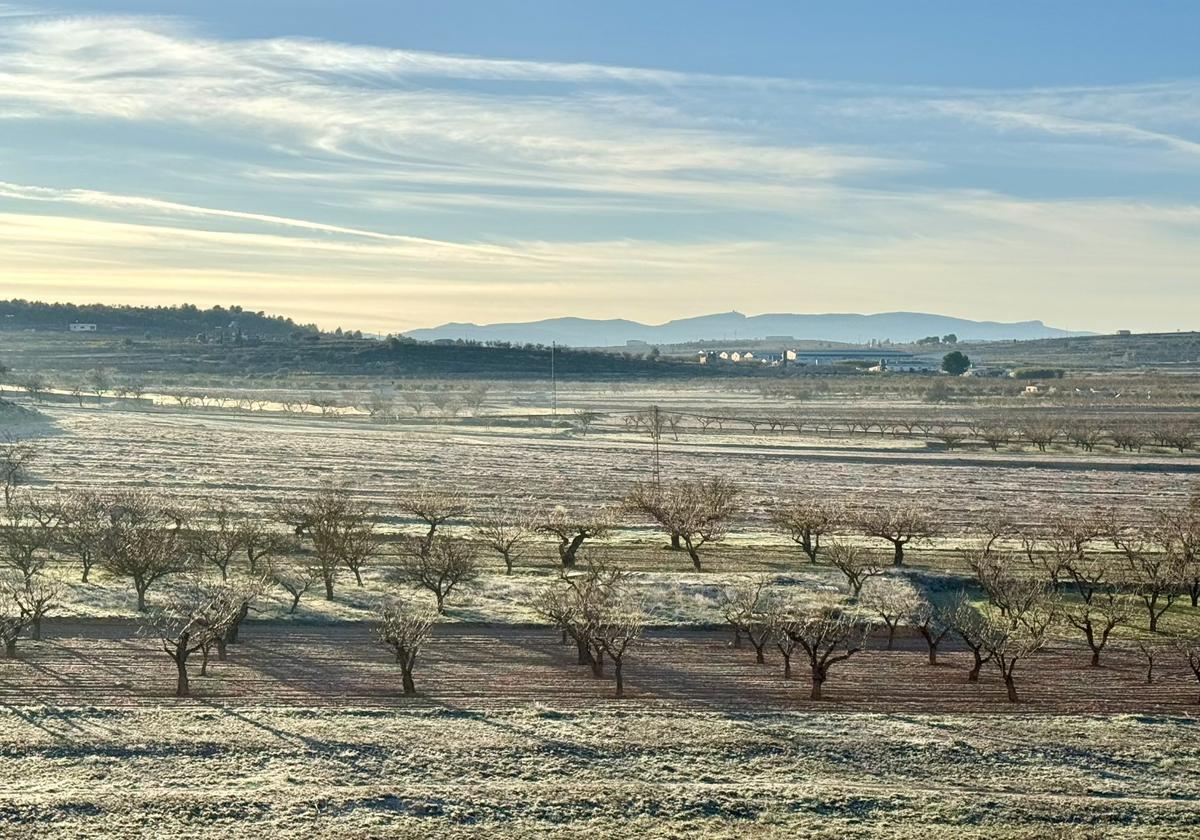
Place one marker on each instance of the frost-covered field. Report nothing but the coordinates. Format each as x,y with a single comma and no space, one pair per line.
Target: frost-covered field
250,771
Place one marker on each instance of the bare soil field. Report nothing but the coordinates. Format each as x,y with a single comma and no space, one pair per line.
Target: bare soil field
305,734
108,663
257,459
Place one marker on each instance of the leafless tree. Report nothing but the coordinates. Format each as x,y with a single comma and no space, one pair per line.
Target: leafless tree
434,507
1041,430
379,404
694,513
99,381
28,531
143,542
417,401
1013,635
899,525
747,608
995,433
1154,569
1085,434
83,523
893,599
619,623
584,419
827,635
340,529
806,521
294,577
13,622
1128,435
576,605
17,458
476,397
1100,608
1189,647
971,627
404,626
1152,651
856,563
192,621
506,531
439,567
572,529
932,623
35,596
261,542
216,537
1179,531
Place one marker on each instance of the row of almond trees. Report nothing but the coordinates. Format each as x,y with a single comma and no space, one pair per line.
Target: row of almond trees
1036,428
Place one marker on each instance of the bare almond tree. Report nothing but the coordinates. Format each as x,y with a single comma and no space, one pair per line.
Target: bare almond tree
577,603
405,626
83,522
619,623
506,531
892,599
17,458
439,567
192,621
1190,649
35,596
433,507
747,607
339,527
1013,635
694,513
13,622
216,537
857,564
807,521
932,624
1154,570
295,577
827,635
898,525
573,529
971,627
144,541
28,531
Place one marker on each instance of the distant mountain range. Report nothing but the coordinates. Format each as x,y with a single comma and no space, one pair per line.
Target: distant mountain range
734,326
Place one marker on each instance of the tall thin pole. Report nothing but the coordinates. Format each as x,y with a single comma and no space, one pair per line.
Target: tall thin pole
553,382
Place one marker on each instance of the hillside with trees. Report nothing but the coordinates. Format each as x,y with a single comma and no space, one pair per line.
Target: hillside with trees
173,321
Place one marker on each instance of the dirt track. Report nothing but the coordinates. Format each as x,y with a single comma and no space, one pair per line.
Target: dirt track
105,663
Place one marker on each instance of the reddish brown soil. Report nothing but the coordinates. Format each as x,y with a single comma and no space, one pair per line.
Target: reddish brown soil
108,663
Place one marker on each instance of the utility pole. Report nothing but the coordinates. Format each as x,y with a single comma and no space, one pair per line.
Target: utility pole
553,382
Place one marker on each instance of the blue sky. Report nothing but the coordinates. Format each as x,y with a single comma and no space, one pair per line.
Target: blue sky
388,166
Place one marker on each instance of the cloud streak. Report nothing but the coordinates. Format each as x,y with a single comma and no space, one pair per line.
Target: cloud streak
451,187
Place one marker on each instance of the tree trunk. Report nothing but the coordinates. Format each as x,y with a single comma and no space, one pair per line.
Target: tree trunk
891,635
898,556
357,576
295,604
758,654
407,679
585,655
737,637
1153,621
181,682
933,648
818,679
231,635
1095,657
35,631
675,546
597,665
620,681
973,674
1011,685
787,666
329,587
87,568
220,649
10,648
568,556
695,555
141,597
204,661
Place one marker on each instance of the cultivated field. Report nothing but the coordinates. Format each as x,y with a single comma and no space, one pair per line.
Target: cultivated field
303,729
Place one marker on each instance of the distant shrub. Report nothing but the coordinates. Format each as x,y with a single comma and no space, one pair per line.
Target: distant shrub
1038,373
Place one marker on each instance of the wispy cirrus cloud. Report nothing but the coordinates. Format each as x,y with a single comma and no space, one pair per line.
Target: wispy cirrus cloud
458,188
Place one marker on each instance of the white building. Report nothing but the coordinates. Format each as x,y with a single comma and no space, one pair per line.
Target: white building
82,327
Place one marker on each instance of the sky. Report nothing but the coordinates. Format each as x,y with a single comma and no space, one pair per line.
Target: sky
393,165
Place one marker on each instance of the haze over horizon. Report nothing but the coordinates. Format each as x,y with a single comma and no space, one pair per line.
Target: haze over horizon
380,167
